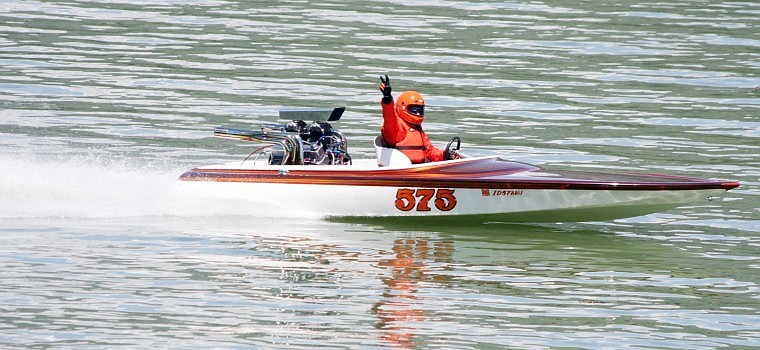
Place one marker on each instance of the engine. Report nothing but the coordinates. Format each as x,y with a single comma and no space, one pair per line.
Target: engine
315,143
298,142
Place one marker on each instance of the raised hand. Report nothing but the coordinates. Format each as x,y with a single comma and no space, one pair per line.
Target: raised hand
385,88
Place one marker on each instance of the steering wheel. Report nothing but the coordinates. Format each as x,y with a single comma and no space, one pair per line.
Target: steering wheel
447,151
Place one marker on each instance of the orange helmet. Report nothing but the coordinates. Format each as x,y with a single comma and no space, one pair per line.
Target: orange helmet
411,107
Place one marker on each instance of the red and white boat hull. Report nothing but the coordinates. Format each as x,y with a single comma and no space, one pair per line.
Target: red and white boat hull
487,189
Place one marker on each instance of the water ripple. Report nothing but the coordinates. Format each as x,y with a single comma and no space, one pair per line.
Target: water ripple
104,102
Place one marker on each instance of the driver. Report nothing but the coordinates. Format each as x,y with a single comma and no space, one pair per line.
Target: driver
402,126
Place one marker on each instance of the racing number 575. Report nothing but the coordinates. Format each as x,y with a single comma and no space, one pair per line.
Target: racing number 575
408,199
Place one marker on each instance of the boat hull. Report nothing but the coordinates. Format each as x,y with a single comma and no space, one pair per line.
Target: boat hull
515,192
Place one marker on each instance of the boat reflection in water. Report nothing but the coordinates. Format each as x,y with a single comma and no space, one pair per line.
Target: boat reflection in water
401,306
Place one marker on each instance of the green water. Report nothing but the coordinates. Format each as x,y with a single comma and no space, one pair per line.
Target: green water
104,103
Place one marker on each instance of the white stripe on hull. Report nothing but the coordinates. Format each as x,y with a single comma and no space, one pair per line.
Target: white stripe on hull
531,205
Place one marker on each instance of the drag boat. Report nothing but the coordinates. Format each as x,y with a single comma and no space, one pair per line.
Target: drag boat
306,167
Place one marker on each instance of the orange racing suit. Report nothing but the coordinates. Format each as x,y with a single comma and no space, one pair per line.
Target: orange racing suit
406,137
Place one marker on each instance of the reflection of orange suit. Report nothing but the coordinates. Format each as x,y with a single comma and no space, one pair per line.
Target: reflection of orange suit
400,305
406,137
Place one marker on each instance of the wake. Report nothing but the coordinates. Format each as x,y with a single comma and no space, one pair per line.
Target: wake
89,187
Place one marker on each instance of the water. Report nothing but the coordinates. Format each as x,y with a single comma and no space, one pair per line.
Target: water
104,103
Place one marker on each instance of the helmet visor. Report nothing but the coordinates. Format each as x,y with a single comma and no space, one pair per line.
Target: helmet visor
418,110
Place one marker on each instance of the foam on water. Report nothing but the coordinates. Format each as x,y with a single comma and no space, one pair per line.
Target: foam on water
85,186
